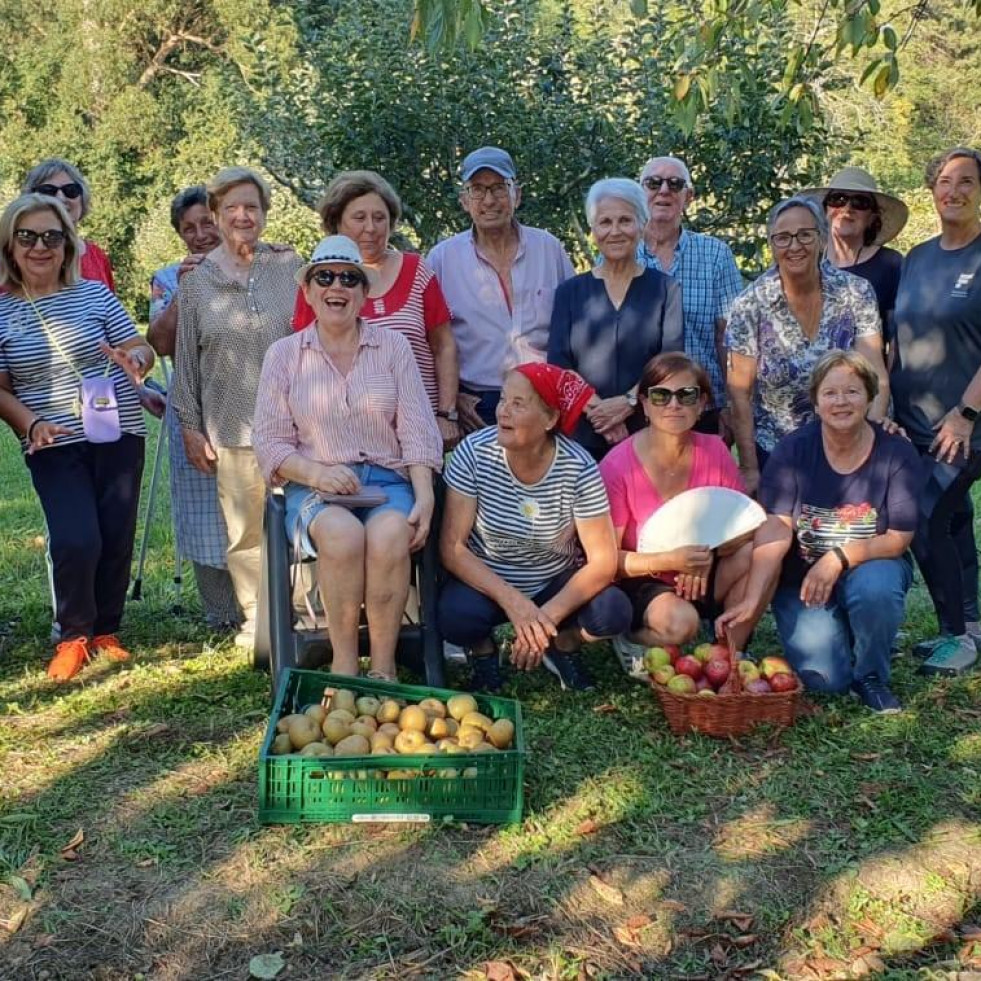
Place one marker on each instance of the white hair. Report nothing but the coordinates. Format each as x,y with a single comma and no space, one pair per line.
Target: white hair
621,188
677,161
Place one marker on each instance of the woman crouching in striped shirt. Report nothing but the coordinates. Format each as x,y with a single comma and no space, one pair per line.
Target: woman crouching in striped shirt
68,352
342,412
527,535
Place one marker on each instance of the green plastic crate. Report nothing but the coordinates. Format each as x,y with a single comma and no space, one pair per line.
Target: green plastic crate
295,789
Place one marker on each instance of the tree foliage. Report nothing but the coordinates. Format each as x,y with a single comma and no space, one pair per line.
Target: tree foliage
576,91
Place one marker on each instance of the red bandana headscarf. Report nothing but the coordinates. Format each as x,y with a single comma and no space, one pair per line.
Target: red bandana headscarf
559,389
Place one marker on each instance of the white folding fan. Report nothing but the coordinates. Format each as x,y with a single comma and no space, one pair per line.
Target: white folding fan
709,516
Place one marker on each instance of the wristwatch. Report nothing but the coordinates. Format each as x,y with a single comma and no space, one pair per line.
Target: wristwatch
968,413
631,398
451,415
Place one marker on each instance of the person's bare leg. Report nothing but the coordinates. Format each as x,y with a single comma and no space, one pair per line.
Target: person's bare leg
730,589
340,541
668,619
387,570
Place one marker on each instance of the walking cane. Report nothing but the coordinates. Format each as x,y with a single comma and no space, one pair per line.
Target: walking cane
137,593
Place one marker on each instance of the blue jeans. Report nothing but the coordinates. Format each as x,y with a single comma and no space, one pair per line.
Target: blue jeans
467,617
851,636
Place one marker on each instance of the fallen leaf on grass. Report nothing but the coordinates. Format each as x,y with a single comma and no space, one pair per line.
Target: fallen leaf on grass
745,940
20,886
741,921
825,965
673,906
70,851
157,729
14,923
626,937
867,964
266,966
866,757
970,931
605,891
588,827
522,927
499,971
638,922
718,955
605,709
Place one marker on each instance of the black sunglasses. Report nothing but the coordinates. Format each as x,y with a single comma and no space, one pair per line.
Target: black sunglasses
70,191
860,202
659,396
50,239
326,277
675,184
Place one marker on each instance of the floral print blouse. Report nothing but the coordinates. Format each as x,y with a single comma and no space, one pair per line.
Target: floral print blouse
762,326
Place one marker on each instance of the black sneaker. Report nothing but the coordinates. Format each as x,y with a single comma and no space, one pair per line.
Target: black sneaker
875,694
569,669
486,672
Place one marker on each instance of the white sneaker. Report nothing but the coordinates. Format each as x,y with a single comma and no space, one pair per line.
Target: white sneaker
631,657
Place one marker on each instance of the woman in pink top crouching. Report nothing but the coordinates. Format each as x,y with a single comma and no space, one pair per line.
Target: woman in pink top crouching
672,591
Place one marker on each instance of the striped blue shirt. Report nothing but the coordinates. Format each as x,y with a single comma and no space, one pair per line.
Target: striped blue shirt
79,317
710,280
526,532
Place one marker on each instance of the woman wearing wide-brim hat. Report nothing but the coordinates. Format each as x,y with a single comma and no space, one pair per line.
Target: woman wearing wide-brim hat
862,220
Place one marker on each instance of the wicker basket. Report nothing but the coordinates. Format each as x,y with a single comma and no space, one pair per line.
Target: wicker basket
727,715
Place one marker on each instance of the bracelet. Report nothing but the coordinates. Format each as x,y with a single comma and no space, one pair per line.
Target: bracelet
842,558
30,428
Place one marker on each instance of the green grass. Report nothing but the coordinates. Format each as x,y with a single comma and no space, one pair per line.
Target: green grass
847,844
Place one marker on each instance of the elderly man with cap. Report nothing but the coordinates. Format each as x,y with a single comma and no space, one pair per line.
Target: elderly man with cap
704,268
498,278
862,219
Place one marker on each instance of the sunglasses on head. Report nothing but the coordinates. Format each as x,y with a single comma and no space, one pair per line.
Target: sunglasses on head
70,191
860,202
347,278
659,396
675,184
50,239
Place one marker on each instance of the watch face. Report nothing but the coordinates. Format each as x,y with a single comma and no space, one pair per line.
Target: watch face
968,413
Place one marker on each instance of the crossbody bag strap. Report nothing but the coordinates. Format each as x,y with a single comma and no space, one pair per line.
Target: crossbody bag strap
56,345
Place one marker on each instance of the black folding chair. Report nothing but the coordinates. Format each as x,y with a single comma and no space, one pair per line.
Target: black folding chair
282,641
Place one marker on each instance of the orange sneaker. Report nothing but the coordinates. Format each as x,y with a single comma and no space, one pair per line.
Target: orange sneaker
70,657
107,645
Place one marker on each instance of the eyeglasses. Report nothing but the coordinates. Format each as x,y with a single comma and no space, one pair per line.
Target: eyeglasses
70,191
500,190
675,184
806,236
859,202
661,397
347,279
50,239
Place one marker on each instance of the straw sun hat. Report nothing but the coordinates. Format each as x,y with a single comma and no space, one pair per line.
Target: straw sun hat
892,211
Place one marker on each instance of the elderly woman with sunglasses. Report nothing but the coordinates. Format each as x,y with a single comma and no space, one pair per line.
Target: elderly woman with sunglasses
344,421
783,323
69,360
862,220
609,322
59,179
671,592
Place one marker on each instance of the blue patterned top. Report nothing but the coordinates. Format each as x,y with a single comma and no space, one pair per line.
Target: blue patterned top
710,280
762,326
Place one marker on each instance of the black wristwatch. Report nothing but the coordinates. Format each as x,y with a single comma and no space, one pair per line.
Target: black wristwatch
451,415
968,413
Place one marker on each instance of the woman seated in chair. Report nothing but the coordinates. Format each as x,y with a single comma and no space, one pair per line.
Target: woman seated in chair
671,592
527,536
342,411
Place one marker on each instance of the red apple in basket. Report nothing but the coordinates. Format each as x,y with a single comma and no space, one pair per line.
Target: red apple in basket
783,681
720,653
758,686
690,666
716,671
674,652
770,666
663,675
682,684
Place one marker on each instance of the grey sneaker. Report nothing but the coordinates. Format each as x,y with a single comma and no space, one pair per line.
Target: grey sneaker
952,656
631,657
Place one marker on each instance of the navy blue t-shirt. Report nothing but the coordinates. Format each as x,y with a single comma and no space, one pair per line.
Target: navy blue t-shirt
938,336
830,509
882,271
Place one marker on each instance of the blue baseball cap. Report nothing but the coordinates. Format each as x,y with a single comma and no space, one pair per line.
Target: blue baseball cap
488,158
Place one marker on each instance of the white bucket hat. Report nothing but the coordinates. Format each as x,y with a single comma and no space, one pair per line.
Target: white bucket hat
893,213
335,248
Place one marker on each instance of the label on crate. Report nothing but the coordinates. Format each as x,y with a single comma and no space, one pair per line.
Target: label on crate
395,818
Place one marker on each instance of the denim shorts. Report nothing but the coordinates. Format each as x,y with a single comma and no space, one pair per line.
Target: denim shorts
398,489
